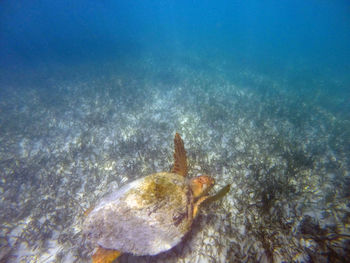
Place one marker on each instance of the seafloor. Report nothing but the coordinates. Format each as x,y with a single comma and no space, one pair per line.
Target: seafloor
70,135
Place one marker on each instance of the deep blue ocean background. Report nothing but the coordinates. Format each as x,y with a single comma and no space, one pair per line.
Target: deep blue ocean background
92,93
285,39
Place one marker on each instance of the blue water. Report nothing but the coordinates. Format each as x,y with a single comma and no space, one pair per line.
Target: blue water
92,92
273,37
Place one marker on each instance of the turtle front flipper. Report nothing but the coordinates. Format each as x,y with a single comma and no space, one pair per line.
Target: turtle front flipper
197,204
180,159
200,187
103,255
219,195
208,199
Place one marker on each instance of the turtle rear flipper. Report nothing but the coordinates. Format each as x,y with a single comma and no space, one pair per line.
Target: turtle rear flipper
180,159
103,255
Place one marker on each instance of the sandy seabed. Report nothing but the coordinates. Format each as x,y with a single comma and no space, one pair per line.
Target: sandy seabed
66,143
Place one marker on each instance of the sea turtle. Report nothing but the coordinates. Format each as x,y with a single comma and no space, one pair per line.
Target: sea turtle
149,215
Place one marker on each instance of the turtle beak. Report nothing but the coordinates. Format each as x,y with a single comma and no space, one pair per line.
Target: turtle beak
207,182
201,185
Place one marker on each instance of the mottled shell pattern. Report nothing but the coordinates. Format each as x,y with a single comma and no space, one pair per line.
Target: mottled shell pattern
145,217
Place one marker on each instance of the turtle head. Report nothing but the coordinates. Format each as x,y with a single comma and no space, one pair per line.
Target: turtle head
201,185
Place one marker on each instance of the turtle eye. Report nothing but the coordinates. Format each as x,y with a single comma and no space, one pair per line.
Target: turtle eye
206,180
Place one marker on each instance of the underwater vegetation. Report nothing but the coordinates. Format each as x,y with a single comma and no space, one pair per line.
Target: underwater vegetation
285,157
326,240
